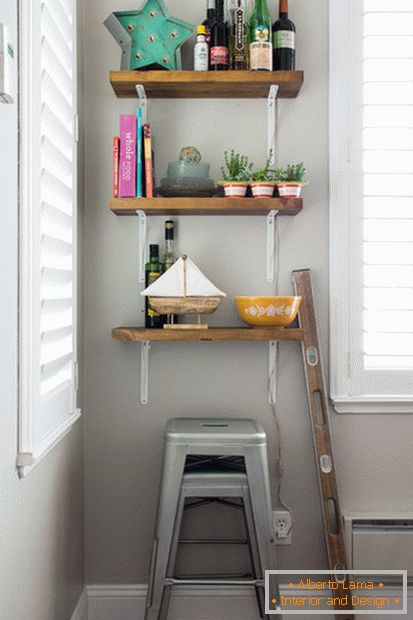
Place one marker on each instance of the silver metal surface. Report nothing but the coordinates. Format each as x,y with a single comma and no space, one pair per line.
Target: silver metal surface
190,437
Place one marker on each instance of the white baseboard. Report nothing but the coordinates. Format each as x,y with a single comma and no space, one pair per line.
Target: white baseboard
127,602
81,611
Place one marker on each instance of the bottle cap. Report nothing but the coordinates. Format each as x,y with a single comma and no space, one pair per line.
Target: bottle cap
201,29
154,251
169,229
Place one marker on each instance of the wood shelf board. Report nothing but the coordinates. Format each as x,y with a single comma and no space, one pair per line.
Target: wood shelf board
139,334
206,206
204,84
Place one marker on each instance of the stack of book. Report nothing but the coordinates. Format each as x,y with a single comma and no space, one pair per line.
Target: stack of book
133,158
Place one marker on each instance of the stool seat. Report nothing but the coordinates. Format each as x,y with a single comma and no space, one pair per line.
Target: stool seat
215,430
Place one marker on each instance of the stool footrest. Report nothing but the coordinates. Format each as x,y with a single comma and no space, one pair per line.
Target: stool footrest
214,582
213,541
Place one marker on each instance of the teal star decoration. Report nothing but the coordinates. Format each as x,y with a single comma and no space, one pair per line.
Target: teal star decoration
149,38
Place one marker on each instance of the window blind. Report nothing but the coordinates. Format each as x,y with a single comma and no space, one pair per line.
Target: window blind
48,240
372,203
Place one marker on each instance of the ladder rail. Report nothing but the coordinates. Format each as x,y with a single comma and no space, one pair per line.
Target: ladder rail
320,426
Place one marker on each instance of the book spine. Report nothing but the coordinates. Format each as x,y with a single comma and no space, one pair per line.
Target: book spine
147,141
139,149
127,155
115,164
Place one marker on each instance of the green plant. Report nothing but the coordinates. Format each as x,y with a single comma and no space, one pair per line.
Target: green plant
293,173
266,173
236,168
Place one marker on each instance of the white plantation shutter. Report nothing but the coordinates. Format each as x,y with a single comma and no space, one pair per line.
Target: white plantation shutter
48,225
371,202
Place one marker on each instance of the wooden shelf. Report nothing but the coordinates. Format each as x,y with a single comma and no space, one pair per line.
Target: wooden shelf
204,84
206,206
139,334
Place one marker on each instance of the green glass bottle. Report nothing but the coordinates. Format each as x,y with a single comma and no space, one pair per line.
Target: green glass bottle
169,256
261,49
152,273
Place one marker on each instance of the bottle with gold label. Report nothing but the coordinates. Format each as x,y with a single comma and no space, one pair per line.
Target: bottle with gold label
152,273
238,35
261,49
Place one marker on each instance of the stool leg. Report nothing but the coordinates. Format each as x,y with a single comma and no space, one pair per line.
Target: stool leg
253,549
173,468
259,488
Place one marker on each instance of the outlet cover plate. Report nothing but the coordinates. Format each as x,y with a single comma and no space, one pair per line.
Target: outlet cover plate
282,526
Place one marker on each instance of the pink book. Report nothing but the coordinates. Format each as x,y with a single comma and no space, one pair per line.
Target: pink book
127,167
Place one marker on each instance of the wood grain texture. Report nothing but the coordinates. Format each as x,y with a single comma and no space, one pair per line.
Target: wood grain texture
206,206
204,84
320,425
138,334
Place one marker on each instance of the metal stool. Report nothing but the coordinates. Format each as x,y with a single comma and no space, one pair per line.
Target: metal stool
186,437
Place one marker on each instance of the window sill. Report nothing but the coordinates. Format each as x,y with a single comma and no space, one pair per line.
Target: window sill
26,461
372,405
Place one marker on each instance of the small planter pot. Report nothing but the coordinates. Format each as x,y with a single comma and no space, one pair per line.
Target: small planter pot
289,189
235,189
263,189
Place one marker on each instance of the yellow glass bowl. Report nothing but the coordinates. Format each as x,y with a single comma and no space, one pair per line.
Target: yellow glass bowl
268,311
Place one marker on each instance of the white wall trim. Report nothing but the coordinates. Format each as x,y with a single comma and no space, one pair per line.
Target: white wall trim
127,602
81,611
372,405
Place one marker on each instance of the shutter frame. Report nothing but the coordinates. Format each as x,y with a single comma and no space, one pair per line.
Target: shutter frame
355,388
36,437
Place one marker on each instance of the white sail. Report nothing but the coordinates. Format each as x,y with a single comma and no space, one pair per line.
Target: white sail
171,283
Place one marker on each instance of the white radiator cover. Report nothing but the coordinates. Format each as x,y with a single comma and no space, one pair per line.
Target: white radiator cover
379,541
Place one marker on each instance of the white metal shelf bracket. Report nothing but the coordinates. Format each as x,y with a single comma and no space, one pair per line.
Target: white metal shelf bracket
272,371
143,102
144,382
272,110
142,235
271,223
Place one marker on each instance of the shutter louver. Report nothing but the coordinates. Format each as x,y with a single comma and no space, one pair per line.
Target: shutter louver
388,184
48,185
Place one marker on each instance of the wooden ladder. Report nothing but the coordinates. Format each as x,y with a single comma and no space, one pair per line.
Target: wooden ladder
318,409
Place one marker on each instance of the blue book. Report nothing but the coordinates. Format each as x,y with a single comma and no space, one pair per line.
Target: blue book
139,150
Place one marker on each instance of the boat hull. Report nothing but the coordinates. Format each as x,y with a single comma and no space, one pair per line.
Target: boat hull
185,305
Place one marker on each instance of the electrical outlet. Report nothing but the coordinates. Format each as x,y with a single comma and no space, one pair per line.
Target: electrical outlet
282,526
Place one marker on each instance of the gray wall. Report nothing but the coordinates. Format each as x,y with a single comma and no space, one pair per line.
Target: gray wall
124,439
41,516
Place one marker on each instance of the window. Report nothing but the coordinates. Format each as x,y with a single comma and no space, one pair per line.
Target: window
48,226
371,205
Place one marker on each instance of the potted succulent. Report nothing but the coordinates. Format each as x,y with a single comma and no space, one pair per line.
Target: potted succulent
236,174
290,180
263,181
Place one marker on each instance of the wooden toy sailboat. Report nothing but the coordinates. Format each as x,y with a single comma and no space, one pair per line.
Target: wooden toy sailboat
184,289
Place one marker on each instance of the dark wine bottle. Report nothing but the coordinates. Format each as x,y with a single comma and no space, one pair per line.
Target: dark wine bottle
219,53
210,20
152,273
284,40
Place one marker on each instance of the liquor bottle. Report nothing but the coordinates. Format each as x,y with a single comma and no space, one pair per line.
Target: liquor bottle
260,38
210,20
169,258
219,60
238,36
152,273
201,50
284,40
